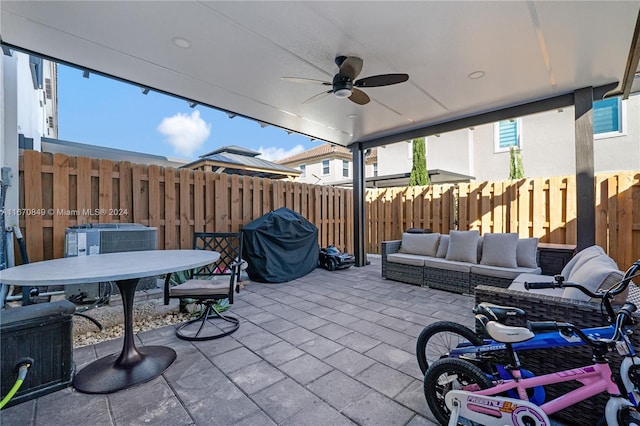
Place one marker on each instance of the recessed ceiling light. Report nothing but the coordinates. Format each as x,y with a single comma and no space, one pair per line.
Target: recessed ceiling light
182,42
476,75
352,116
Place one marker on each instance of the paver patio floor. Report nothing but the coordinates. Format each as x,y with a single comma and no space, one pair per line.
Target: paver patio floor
330,348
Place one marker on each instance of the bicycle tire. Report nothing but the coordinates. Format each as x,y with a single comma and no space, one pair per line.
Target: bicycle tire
628,417
466,374
436,341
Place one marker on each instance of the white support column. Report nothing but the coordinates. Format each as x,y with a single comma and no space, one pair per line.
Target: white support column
9,133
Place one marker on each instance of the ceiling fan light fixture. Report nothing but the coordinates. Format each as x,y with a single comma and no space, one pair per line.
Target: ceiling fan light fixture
342,93
342,86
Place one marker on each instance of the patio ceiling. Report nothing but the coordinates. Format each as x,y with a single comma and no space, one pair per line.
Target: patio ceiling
238,51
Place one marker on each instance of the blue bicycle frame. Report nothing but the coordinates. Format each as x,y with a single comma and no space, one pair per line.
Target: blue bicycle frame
551,339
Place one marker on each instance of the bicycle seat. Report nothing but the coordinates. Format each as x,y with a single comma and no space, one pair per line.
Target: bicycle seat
497,312
508,334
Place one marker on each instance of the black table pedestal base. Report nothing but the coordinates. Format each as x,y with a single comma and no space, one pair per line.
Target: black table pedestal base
133,365
105,376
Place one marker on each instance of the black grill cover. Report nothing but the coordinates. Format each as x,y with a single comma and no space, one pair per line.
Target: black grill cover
280,246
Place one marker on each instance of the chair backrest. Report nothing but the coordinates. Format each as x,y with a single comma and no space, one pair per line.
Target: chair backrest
228,244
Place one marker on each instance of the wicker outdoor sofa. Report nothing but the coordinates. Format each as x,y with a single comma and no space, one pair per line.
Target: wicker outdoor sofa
460,261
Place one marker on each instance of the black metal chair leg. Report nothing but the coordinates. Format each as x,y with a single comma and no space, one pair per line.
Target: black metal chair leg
207,317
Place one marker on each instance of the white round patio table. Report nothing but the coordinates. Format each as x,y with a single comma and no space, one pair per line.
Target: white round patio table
133,365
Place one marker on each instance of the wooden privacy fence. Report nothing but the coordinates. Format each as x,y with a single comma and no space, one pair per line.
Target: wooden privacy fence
539,207
58,191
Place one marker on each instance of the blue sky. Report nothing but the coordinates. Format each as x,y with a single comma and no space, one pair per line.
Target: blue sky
106,112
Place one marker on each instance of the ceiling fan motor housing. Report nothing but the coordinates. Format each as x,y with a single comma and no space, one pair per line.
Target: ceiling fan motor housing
342,86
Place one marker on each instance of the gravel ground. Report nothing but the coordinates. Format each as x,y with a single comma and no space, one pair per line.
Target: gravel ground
147,315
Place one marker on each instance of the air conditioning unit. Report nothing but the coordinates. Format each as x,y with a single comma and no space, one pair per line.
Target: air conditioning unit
92,239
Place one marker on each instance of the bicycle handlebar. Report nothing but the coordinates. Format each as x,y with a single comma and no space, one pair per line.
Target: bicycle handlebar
611,293
535,286
620,319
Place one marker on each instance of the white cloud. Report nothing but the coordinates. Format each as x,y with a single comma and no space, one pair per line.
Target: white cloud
186,133
275,154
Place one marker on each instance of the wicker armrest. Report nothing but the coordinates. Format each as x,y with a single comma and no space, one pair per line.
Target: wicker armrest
540,307
388,247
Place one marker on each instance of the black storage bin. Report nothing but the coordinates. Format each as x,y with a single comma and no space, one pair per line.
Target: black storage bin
42,332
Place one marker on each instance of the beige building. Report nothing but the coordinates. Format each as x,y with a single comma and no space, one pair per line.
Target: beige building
329,164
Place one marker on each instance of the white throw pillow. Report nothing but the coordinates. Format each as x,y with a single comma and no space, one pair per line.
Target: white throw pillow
443,246
500,250
422,244
526,252
463,246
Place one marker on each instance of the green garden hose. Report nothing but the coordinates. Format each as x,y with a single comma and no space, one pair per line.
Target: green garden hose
23,369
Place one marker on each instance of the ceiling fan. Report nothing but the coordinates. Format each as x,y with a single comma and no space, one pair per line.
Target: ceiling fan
344,86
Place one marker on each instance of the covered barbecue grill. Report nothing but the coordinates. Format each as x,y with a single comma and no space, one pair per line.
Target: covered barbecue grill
280,246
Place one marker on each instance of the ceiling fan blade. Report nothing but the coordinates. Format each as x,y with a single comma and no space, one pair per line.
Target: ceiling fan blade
351,67
317,97
359,97
381,80
305,80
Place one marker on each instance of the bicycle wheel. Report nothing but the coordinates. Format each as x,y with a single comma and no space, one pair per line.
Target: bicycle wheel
448,374
437,340
626,417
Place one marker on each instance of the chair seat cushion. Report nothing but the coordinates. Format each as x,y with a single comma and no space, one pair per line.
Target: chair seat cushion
192,288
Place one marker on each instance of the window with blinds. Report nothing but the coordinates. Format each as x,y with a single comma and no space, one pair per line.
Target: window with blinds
325,167
507,134
607,117
345,168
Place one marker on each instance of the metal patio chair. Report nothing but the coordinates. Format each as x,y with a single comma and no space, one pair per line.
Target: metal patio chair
209,286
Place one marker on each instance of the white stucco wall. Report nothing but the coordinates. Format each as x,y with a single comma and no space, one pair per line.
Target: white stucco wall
548,145
394,158
9,134
451,151
30,112
548,148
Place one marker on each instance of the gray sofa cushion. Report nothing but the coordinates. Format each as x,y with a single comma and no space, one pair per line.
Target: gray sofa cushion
502,272
463,246
527,252
500,250
424,244
449,265
581,257
600,272
406,259
443,246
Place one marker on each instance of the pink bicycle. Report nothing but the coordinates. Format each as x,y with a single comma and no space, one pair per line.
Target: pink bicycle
459,392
